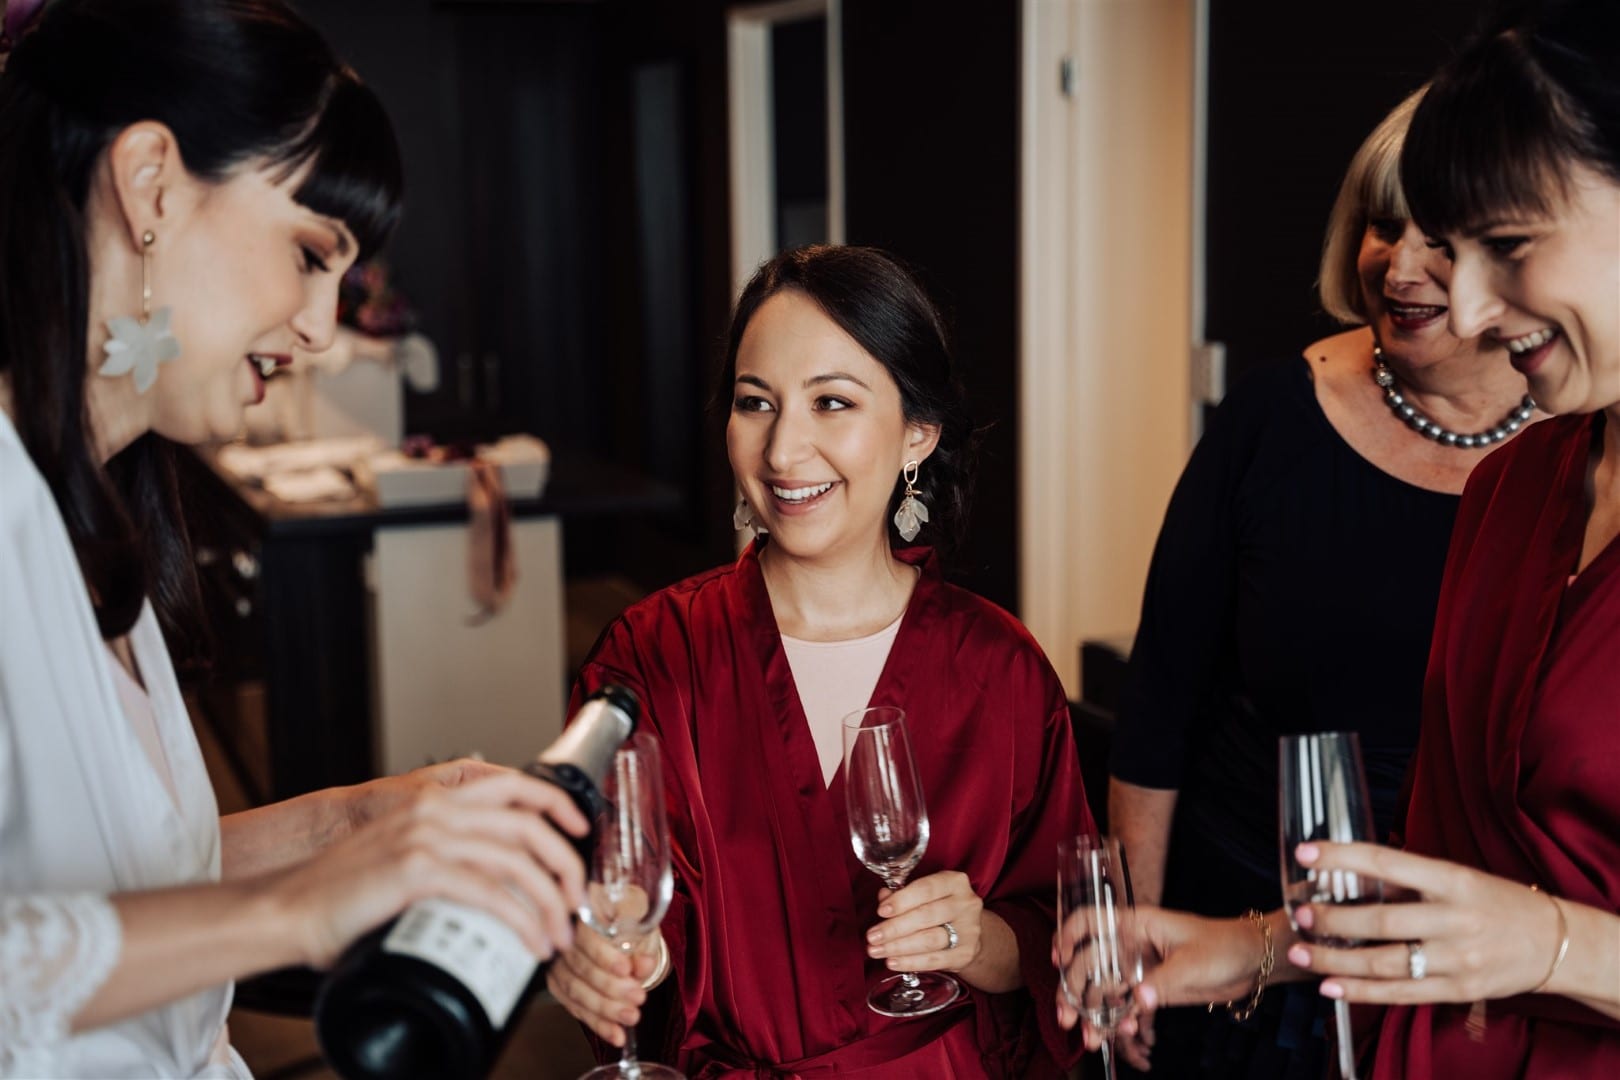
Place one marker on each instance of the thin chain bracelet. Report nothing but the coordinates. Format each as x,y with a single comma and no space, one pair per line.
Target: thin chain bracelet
1267,962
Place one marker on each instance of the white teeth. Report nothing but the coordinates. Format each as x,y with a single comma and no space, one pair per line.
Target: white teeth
799,494
1531,341
1413,311
265,364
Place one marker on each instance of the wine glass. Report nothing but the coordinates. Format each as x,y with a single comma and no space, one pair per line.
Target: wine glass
888,825
1323,796
630,875
1099,943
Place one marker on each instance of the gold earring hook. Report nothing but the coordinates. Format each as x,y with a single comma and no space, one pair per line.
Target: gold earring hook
147,240
909,475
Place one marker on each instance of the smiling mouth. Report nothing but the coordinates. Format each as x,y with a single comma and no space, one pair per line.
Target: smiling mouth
800,494
1520,345
1413,313
267,365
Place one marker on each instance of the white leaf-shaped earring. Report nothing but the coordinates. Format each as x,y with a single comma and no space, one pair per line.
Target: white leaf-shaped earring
911,515
140,345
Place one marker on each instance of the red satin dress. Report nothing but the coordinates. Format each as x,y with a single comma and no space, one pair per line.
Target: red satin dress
767,928
1518,767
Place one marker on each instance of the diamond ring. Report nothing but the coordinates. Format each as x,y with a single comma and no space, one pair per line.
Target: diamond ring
1417,965
950,936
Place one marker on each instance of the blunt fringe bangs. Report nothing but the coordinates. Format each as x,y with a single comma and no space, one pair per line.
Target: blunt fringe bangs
354,172
1507,120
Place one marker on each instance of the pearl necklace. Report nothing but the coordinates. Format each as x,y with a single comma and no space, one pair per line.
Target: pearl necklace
1412,418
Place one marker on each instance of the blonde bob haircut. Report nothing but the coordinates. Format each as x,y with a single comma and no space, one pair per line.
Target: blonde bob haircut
1371,192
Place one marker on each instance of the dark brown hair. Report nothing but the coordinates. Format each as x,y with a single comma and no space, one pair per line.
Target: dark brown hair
237,81
879,304
1504,122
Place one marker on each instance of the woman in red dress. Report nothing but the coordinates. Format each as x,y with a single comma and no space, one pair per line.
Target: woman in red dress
1505,961
847,435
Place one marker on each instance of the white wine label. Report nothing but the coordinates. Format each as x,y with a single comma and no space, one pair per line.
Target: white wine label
474,946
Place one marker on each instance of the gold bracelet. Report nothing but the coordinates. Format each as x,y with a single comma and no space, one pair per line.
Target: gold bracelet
1563,944
1267,962
661,969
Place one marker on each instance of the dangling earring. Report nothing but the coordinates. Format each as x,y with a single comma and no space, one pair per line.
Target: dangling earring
912,514
140,345
743,517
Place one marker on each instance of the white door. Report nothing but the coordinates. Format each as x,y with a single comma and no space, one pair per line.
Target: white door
1107,263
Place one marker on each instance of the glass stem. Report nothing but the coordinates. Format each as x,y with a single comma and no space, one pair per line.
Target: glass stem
1108,1056
1347,1046
908,979
629,1067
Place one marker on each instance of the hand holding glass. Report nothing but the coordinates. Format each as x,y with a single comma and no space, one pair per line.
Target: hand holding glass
1099,943
1323,796
630,875
888,825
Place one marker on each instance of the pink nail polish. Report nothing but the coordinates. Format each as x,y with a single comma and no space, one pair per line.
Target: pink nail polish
885,911
1299,956
1307,853
1305,916
1332,990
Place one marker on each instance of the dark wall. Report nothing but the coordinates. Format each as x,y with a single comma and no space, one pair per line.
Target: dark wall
931,167
1293,90
565,237
568,217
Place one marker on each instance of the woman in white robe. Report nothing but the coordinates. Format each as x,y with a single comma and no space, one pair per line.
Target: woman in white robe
182,183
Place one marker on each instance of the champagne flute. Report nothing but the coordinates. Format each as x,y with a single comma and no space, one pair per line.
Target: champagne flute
888,825
1323,796
630,876
1099,943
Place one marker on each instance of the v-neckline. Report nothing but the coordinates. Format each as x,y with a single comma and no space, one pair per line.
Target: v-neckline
798,741
145,686
1581,583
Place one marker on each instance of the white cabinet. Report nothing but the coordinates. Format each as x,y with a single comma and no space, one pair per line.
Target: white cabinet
446,686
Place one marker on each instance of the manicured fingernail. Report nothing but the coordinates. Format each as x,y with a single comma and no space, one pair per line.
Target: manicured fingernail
875,951
894,965
1305,916
1147,995
1307,853
874,936
1299,956
886,910
1332,990
628,1016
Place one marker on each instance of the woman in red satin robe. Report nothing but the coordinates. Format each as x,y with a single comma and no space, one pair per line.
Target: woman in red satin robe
1504,958
845,416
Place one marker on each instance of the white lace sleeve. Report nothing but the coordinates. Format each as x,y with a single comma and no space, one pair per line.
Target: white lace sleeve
55,953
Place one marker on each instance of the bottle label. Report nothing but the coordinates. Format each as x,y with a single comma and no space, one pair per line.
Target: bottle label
475,947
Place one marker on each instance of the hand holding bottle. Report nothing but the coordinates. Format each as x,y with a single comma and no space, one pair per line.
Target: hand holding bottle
493,843
490,886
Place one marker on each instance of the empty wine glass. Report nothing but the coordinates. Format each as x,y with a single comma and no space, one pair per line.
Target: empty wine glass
1323,796
888,825
1099,943
630,875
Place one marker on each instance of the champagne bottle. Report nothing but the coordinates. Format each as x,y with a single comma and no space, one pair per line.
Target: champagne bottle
431,993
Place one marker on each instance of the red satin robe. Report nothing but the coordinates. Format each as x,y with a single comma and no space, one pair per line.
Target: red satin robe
1518,767
767,928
